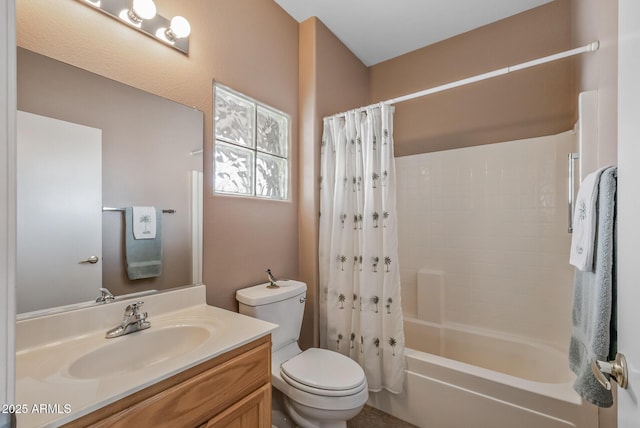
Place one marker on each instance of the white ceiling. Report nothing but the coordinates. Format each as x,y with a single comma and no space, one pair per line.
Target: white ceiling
377,30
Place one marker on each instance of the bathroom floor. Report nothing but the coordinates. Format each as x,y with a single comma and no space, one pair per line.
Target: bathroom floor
371,417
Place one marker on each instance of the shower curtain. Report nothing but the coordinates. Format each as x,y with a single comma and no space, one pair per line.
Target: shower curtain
361,314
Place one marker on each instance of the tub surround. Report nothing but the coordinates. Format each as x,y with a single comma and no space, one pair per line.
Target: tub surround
483,234
482,237
48,346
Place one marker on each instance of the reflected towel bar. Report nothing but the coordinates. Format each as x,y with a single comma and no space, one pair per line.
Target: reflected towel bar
169,211
571,187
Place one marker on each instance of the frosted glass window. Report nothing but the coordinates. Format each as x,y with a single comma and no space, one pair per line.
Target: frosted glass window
234,119
271,176
272,132
251,147
234,168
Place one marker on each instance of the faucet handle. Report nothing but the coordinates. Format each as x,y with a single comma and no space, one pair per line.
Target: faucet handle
133,320
105,296
133,309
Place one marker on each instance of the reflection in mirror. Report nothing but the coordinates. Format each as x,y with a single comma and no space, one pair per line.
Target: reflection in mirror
59,196
151,155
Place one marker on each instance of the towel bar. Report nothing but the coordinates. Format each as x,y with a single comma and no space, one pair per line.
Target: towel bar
167,211
571,189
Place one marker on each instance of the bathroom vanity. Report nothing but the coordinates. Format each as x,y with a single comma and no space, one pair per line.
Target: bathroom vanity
232,389
196,366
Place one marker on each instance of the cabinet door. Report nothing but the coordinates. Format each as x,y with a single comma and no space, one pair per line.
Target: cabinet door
253,411
194,400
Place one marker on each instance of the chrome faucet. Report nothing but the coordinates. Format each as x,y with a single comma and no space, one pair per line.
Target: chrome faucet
105,296
133,320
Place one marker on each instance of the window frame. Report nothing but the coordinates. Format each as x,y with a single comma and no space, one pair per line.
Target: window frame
254,149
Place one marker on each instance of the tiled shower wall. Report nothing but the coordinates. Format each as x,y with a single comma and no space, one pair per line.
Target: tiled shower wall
493,220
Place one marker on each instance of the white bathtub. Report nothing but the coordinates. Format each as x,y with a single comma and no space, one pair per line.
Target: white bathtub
460,377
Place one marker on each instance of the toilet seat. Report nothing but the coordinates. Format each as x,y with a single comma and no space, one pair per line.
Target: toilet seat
322,372
322,392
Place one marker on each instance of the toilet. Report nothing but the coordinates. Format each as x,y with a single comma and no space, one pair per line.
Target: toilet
316,388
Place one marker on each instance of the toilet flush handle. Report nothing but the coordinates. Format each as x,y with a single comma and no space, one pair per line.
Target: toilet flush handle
303,299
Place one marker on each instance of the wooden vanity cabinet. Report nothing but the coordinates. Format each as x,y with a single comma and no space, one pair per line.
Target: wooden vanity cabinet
230,390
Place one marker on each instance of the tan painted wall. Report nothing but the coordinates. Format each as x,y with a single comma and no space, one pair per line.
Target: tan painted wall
525,104
332,80
249,45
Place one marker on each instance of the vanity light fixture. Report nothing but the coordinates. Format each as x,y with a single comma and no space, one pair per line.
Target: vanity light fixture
139,11
141,15
178,29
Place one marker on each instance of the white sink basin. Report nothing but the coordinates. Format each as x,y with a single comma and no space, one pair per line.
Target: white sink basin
139,350
65,358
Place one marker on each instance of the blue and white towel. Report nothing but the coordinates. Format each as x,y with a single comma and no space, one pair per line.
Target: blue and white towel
584,223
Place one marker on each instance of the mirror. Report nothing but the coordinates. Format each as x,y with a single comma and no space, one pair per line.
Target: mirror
151,155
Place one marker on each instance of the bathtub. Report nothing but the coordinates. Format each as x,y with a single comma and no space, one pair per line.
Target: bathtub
462,377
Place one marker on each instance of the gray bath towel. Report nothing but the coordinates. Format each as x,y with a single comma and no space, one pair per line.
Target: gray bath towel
594,335
144,256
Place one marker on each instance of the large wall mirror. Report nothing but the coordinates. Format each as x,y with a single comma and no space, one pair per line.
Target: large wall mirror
131,148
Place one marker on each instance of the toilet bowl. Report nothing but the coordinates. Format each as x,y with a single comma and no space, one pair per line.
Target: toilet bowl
318,388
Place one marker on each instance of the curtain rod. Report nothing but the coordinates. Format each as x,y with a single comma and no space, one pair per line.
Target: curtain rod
591,47
357,110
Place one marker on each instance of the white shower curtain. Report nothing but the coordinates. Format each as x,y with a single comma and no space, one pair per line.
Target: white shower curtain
361,314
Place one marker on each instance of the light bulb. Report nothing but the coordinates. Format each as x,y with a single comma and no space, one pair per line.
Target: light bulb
144,9
179,27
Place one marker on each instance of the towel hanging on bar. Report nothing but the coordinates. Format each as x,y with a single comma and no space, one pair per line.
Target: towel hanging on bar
594,334
584,222
144,222
143,256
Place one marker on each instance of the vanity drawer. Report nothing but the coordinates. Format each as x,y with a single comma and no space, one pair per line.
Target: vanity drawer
196,399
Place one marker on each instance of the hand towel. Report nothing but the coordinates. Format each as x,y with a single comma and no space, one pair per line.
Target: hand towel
143,256
584,222
144,222
593,335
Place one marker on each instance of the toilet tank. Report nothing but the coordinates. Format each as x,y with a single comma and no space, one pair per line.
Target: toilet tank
283,306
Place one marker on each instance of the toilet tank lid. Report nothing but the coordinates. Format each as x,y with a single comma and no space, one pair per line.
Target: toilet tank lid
261,295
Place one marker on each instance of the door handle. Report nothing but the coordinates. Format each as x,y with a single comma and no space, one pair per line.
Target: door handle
93,260
616,368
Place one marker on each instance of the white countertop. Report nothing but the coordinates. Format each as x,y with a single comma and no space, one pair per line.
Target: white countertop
46,346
